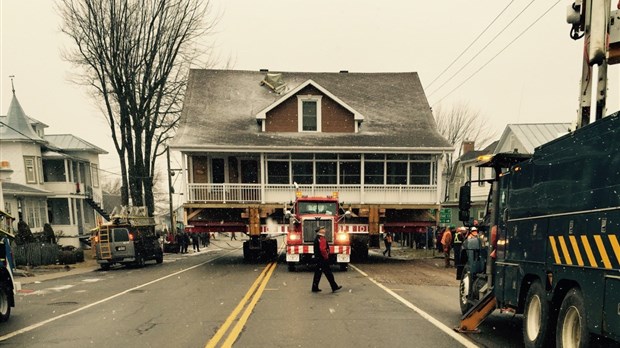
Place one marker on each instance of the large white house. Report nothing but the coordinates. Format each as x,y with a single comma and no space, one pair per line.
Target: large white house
48,178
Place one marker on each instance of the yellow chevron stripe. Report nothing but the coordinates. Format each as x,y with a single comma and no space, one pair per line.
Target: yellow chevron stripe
615,245
588,249
601,249
573,242
569,261
556,256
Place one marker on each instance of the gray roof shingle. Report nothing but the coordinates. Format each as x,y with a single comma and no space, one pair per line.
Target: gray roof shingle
220,111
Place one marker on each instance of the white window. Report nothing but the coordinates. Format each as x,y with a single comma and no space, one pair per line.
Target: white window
40,170
94,172
481,172
35,213
309,113
31,172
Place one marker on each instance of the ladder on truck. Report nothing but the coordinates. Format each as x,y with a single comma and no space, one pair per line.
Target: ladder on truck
104,243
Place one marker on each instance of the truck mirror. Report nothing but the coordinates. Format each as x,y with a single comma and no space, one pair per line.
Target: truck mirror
464,215
465,197
347,213
287,214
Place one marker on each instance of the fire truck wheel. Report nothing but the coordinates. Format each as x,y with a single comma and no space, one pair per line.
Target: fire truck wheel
291,267
536,325
105,266
5,307
159,258
465,287
572,329
344,267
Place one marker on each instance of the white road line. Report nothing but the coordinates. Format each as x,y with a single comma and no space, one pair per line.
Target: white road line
464,341
44,322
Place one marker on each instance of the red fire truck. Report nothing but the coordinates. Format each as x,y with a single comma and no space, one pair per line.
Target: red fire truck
307,214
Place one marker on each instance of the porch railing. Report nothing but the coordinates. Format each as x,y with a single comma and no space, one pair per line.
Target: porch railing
257,193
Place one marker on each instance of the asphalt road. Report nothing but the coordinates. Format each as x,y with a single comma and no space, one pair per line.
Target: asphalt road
213,298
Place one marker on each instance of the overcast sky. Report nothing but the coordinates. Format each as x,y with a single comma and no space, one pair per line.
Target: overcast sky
523,76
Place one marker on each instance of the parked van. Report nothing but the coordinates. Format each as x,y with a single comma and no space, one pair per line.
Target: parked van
127,240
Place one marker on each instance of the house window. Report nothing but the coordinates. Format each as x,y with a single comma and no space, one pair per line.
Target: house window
7,207
94,172
31,172
420,173
326,173
35,213
309,113
54,171
397,173
278,172
481,176
40,169
350,172
302,172
374,172
59,211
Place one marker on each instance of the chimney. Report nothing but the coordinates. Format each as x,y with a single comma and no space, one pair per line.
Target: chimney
467,146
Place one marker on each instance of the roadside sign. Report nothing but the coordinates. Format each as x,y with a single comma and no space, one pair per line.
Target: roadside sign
445,216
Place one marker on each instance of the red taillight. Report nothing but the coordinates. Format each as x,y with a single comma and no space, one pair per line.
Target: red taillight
293,238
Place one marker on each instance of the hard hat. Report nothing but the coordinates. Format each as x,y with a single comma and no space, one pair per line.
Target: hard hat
474,229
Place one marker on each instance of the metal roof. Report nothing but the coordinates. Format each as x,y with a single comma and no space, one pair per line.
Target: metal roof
532,135
69,142
220,109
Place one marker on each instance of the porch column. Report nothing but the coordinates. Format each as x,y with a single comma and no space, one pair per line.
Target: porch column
362,159
263,178
440,177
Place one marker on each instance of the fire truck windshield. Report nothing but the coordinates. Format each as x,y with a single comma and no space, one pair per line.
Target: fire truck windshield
327,208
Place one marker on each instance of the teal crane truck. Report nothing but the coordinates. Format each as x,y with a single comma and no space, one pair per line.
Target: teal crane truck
550,246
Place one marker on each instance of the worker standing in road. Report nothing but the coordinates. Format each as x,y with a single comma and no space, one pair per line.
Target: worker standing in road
459,237
446,242
388,244
321,256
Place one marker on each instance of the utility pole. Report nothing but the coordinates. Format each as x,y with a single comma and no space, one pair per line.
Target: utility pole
173,224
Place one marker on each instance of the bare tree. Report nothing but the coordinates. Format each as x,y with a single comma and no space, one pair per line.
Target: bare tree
462,123
134,56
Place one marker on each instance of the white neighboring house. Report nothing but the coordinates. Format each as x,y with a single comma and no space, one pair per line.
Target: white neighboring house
48,178
519,138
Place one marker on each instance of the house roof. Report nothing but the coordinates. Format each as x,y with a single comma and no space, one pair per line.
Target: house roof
11,188
17,126
69,142
532,135
221,107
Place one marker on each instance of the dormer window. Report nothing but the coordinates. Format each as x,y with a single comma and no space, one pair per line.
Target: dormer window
309,113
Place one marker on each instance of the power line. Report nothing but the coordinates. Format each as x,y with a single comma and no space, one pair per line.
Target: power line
498,53
471,44
483,48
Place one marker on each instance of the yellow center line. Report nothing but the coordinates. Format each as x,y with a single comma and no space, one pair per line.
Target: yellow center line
222,330
234,333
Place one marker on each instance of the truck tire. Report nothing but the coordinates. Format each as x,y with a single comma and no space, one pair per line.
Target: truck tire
344,267
5,307
572,328
291,266
105,266
536,325
159,257
139,261
465,287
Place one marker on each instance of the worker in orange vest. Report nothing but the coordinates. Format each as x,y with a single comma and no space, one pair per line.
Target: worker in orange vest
446,242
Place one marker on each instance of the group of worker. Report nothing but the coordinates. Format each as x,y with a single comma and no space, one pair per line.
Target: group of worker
453,238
